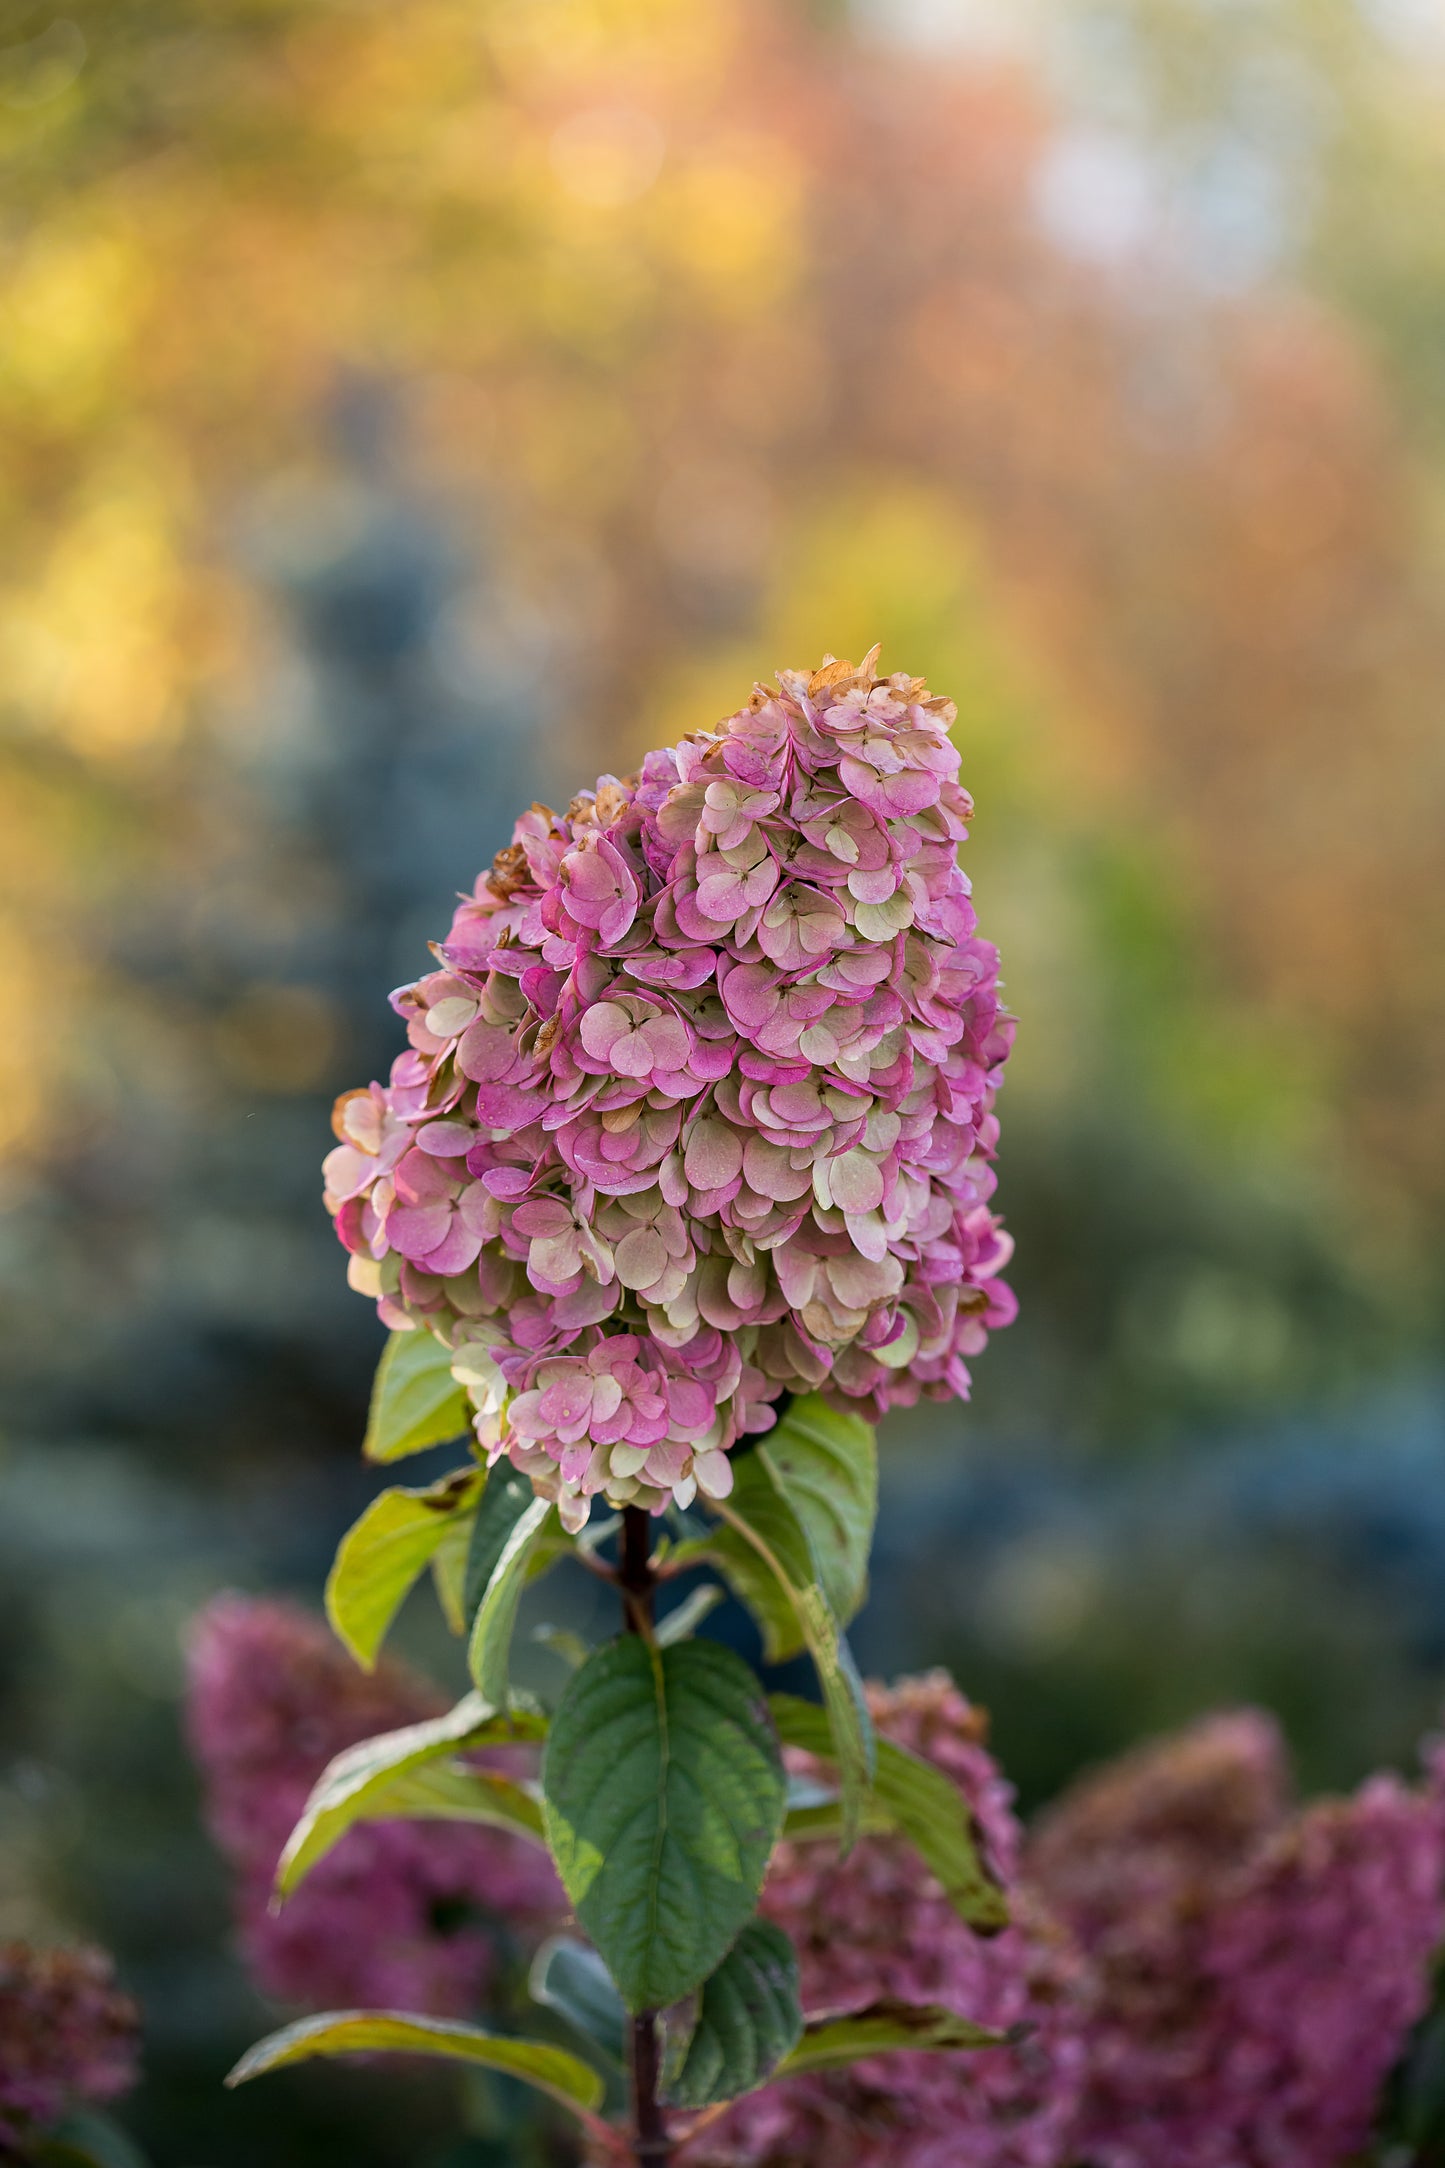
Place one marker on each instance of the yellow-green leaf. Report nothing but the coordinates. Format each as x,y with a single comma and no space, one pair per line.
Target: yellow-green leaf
883,2026
355,1785
415,1401
380,1558
369,2032
490,1648
917,1799
456,1792
449,1570
825,1463
765,1553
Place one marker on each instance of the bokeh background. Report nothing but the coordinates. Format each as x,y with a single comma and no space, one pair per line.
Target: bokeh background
406,411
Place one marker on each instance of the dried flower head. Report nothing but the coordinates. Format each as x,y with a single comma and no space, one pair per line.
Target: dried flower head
407,1915
697,1108
876,1924
1256,1970
66,2034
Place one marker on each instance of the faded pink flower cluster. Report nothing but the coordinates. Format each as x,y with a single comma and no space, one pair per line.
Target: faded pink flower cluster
401,1915
877,1924
1210,1976
1256,1970
67,2034
697,1108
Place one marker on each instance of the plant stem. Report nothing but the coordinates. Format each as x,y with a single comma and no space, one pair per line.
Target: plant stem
637,1581
635,1576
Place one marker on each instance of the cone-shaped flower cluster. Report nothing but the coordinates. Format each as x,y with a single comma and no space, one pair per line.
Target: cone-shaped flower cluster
1256,1970
697,1108
404,1915
67,2034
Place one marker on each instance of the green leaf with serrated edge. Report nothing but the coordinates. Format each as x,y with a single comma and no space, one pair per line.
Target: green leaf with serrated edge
351,1784
825,1463
921,1802
763,1528
490,1649
415,1401
368,2032
663,1792
505,1500
883,2026
689,1614
379,1559
568,1977
749,2017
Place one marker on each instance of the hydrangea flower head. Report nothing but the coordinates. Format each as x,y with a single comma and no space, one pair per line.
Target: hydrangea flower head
66,2034
697,1106
1257,1970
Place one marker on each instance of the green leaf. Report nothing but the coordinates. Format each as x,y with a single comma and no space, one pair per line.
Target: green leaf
919,1800
354,1786
449,1570
825,1463
821,1820
83,2134
367,2032
455,1792
680,1624
663,1792
571,1979
764,1552
380,1557
505,1500
749,2018
490,1648
560,1641
415,1401
884,2026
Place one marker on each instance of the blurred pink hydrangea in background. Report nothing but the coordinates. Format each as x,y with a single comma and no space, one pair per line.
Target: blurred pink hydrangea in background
877,1924
697,1109
1256,1970
402,1915
67,2035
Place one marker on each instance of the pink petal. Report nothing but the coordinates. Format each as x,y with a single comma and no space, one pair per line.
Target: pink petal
714,1154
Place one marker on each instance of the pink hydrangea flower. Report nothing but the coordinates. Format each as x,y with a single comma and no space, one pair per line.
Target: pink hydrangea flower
714,1052
401,1915
67,2034
1256,1970
876,1924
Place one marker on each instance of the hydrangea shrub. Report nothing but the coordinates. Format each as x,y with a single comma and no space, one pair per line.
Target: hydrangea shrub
683,1180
